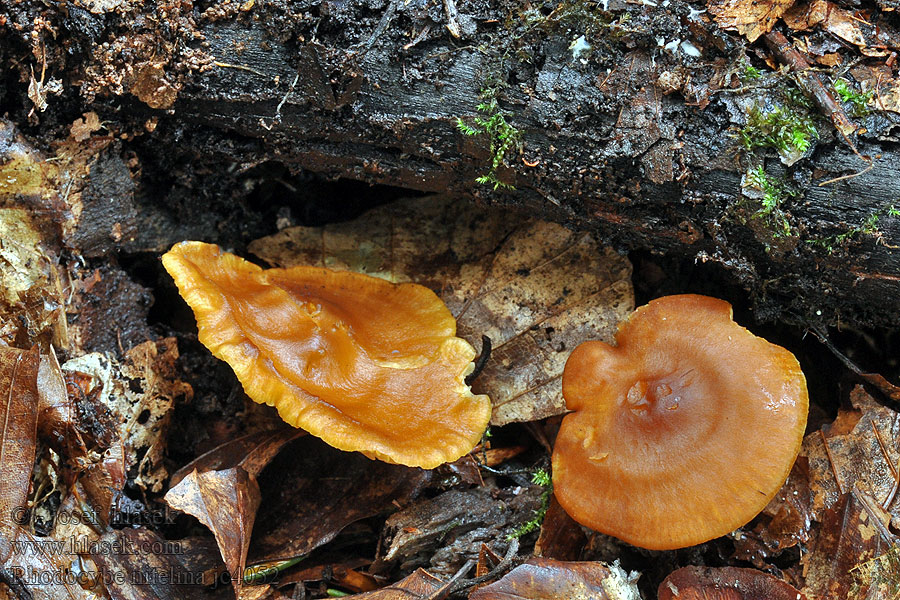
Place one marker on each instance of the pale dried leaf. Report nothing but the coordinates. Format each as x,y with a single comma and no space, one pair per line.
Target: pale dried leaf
547,579
751,18
535,288
140,393
18,437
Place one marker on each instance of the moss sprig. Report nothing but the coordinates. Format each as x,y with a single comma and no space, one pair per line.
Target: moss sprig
502,135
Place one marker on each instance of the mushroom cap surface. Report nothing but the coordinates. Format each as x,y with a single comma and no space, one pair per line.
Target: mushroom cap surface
682,432
364,364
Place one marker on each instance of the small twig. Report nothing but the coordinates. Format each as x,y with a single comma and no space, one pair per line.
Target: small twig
283,100
481,360
884,386
225,65
851,175
502,567
811,84
446,589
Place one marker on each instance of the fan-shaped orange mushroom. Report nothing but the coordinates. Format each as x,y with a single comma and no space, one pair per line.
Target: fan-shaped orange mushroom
683,431
364,364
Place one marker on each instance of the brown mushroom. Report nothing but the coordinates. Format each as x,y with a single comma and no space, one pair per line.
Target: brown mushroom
364,364
683,431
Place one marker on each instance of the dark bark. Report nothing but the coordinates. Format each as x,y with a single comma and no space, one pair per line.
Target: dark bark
636,140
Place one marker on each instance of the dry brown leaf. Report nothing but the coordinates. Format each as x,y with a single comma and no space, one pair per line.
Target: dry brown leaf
751,18
853,533
725,583
226,502
420,585
547,579
874,39
18,415
862,451
535,288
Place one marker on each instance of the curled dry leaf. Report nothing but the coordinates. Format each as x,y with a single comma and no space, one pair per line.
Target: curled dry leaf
252,452
18,437
751,18
420,585
219,488
547,579
534,288
726,583
226,502
874,39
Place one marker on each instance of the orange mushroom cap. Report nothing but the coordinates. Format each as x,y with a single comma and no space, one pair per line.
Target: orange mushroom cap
682,432
364,364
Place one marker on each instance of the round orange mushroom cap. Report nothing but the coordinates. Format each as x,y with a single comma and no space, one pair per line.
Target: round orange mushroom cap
364,364
682,432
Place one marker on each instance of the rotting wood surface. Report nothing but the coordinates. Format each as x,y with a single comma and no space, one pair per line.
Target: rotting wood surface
634,138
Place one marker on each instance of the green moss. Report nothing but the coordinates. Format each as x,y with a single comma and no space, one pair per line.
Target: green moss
502,135
542,478
772,194
787,130
859,101
749,72
868,227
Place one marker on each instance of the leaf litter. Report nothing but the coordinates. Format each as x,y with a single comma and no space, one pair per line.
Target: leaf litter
536,289
839,502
